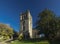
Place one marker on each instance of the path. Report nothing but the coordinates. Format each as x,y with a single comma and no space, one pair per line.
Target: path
4,42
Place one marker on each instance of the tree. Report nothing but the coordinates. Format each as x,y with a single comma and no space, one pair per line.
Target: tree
48,24
15,35
6,31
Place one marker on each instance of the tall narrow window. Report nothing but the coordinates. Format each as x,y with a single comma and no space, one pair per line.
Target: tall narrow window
23,25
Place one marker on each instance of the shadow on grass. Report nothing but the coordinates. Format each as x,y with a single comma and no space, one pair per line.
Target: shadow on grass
32,40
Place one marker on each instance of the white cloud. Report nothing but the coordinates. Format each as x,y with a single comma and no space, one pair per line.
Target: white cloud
8,24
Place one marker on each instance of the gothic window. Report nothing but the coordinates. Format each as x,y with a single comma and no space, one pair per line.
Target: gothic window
23,25
22,17
25,16
23,28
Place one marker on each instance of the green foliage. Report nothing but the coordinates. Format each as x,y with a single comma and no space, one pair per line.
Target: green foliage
15,35
48,24
6,31
20,37
22,42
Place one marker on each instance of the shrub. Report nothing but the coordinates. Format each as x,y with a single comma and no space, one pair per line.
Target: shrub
20,37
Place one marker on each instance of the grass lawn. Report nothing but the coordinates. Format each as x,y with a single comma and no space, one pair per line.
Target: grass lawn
21,42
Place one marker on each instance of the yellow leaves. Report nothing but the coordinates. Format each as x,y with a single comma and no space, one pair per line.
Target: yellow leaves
20,36
5,30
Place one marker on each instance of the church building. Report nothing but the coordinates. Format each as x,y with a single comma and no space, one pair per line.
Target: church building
26,25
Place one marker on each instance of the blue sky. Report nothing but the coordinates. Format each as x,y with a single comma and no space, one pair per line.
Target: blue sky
10,10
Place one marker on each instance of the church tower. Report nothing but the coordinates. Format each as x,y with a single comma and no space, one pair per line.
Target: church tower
26,23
